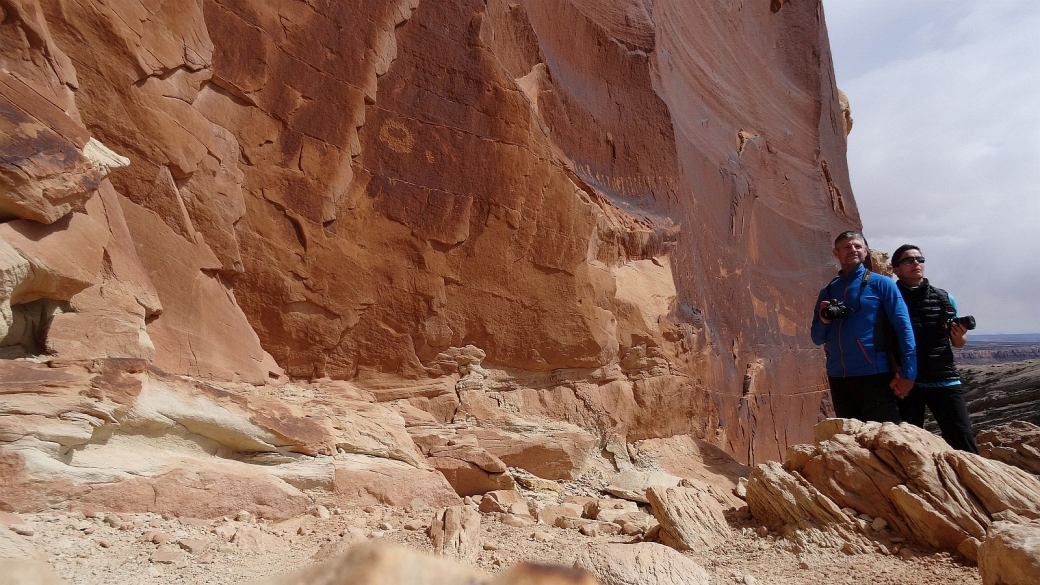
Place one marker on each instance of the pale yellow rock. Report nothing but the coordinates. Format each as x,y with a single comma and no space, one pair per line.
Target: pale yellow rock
691,518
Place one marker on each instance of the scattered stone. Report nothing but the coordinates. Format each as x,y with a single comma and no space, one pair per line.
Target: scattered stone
516,521
254,539
167,557
193,545
105,544
22,529
549,514
543,536
504,501
537,484
595,528
490,546
243,516
879,524
385,526
415,524
206,558
741,490
571,523
322,512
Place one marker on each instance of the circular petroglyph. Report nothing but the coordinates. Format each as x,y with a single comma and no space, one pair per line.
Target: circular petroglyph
397,136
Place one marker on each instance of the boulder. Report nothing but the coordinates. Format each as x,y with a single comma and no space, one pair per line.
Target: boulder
470,469
691,518
1010,555
642,563
632,484
455,531
504,502
549,455
468,479
1015,443
361,480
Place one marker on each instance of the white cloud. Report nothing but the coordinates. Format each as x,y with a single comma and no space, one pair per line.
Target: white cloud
945,150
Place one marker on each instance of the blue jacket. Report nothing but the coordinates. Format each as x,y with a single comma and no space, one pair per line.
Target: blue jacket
855,345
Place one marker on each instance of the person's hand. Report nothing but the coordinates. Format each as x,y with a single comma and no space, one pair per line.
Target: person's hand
900,386
957,334
820,311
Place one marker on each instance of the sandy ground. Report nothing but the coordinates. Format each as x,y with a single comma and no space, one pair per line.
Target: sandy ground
90,551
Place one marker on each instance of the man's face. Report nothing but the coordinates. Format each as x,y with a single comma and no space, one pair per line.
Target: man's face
851,253
909,270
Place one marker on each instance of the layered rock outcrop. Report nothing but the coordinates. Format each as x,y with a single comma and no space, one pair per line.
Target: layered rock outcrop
860,484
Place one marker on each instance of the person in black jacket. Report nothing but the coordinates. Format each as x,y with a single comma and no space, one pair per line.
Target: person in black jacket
938,386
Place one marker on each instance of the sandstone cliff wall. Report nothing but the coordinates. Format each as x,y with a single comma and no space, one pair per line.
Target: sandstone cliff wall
609,213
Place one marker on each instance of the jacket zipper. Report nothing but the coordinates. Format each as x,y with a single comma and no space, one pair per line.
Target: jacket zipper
864,350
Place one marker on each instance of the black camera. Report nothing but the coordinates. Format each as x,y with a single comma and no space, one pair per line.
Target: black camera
835,310
967,321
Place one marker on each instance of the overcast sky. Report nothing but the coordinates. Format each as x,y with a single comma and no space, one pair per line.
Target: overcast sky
945,148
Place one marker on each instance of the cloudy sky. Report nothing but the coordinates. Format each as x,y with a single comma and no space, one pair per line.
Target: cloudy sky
945,148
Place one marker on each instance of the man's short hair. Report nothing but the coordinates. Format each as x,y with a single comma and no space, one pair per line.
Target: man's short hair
898,254
849,235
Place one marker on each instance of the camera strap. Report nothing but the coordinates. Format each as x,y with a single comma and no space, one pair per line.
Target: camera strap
862,285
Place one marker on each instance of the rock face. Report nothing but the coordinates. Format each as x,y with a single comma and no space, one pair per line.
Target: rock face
602,215
1011,554
906,476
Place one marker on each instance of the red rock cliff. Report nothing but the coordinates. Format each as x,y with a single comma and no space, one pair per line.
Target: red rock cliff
624,206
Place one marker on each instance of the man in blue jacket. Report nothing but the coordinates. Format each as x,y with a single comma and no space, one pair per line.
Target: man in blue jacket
856,331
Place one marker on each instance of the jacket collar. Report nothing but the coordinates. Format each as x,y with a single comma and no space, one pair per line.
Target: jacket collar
857,273
914,290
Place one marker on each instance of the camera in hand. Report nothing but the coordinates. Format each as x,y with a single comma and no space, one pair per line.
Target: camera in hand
835,310
967,321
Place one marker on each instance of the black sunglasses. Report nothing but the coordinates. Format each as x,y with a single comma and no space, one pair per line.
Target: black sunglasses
910,259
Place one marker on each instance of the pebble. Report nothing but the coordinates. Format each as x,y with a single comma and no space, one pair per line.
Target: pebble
879,524
193,545
322,512
113,520
243,516
803,565
22,529
749,580
762,531
385,526
105,544
490,546
414,525
167,556
543,537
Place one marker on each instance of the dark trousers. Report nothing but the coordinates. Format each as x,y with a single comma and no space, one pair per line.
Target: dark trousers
948,408
867,398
